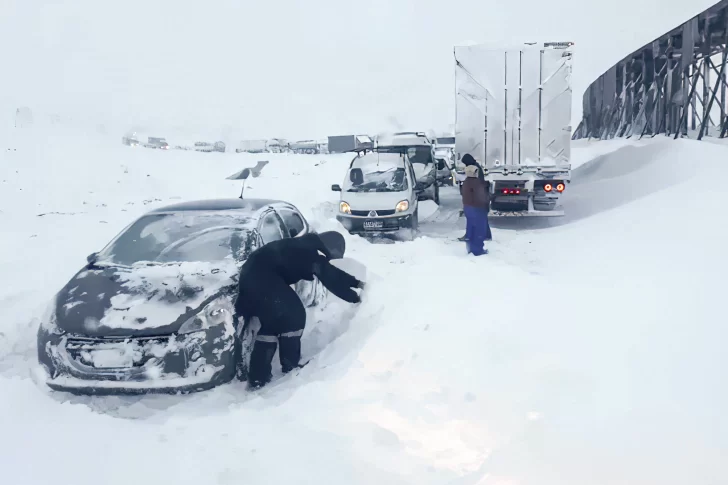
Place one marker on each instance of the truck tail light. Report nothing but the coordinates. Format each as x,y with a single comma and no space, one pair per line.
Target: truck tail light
548,187
560,187
511,191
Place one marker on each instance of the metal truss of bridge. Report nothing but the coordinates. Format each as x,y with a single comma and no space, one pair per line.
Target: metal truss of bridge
675,85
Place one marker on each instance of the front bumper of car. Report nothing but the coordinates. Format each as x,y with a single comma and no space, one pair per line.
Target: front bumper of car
374,225
137,365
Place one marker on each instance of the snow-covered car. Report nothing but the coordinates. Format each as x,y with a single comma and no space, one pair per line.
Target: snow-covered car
158,143
130,141
203,146
153,311
379,195
419,150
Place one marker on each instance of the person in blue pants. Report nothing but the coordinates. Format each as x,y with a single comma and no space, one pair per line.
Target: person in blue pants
475,207
469,161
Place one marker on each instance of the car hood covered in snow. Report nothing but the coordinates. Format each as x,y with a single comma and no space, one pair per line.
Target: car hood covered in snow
141,300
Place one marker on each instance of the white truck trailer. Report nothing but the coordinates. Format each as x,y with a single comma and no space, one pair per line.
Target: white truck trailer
513,114
252,146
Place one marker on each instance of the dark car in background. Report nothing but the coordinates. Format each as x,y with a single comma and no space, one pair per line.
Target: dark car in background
153,311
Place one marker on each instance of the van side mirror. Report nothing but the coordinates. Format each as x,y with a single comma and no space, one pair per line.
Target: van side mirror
356,176
336,188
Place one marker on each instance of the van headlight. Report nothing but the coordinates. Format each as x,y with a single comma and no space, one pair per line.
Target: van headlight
344,207
402,206
216,313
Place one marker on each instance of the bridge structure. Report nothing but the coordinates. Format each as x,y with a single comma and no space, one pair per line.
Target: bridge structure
674,86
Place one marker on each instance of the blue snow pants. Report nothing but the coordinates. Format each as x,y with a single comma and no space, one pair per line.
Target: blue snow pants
477,229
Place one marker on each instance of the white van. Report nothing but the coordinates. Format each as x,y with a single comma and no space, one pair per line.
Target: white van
379,196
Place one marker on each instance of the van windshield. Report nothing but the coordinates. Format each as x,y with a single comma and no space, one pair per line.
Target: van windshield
372,180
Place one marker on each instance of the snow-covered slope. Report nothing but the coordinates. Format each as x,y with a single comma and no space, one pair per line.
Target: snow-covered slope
587,350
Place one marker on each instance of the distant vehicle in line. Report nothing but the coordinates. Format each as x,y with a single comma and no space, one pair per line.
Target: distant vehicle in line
278,145
157,143
308,146
445,141
252,146
349,143
130,141
202,146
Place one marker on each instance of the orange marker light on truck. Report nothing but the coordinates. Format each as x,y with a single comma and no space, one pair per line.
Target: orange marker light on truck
560,187
548,187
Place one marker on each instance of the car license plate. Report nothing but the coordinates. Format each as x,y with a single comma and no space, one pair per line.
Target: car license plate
373,224
111,358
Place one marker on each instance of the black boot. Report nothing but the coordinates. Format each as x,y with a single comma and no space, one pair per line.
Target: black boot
290,353
259,372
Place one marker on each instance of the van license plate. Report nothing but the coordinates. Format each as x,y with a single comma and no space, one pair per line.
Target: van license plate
373,224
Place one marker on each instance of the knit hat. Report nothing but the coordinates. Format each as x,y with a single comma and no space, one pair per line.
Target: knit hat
334,242
468,160
471,171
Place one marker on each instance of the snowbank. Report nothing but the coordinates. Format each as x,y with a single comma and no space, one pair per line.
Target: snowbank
588,351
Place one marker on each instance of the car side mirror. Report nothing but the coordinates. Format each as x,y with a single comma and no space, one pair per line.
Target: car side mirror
336,188
92,258
419,187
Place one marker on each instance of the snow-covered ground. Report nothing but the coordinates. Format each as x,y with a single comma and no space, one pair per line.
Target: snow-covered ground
584,349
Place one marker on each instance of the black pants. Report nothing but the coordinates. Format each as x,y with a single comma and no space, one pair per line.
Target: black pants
263,351
282,320
283,317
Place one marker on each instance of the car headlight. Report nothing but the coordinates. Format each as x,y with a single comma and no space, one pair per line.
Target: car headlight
216,313
49,320
402,206
344,207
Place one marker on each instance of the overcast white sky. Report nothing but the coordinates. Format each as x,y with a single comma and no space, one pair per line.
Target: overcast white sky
287,68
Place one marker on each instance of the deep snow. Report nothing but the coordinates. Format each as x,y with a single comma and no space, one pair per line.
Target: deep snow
584,349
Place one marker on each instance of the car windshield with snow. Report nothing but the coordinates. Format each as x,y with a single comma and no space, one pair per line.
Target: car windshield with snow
372,180
153,311
177,237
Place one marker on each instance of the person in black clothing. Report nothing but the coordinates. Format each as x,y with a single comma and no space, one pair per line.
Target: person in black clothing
264,291
469,160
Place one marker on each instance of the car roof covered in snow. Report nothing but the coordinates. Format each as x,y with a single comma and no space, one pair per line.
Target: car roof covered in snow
377,158
251,205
